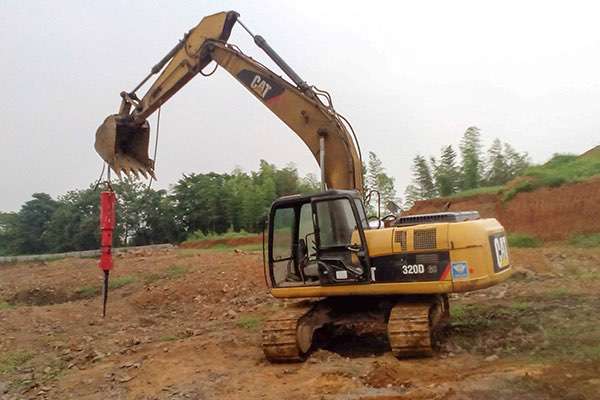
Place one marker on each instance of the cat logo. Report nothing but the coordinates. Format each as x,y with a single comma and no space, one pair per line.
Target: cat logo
499,248
262,86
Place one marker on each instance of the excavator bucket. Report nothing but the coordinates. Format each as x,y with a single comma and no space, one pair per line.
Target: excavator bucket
123,144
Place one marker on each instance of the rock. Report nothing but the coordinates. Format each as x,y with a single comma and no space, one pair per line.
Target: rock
127,364
491,358
231,314
125,378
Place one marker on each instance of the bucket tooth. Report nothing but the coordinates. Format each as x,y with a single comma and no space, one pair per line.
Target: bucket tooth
143,173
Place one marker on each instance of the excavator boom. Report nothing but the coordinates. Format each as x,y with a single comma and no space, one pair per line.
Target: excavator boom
122,140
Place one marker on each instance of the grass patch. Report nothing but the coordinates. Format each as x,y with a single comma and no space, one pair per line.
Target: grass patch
175,271
457,312
250,322
558,293
151,278
9,362
520,306
561,169
587,275
573,341
167,338
476,191
585,241
113,283
199,235
4,305
523,240
120,281
88,291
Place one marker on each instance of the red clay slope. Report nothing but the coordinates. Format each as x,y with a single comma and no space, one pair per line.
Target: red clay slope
547,213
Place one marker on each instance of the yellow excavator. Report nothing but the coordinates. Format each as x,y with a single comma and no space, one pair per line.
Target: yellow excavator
392,277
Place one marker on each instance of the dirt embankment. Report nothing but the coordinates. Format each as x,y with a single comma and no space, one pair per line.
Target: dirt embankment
547,213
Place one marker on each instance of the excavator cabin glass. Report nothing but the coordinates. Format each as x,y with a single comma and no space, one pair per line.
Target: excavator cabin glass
318,240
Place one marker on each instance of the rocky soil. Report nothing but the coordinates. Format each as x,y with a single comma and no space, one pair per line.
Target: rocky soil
185,324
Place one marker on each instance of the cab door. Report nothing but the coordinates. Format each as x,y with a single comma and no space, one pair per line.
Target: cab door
342,254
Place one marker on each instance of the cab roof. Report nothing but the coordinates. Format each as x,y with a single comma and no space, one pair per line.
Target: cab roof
307,197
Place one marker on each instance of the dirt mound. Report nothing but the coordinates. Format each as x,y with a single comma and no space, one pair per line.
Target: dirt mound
547,213
231,242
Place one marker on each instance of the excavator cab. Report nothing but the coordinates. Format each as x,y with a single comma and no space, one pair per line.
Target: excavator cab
318,239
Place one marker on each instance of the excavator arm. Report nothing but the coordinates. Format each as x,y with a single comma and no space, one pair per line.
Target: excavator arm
122,140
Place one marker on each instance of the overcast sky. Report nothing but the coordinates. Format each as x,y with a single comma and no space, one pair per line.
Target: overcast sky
411,76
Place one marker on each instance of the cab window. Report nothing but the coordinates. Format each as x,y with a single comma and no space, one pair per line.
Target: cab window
283,225
336,222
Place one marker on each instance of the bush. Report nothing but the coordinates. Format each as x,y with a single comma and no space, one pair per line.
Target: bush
584,241
523,240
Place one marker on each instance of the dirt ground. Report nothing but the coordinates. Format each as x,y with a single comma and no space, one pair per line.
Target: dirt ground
185,324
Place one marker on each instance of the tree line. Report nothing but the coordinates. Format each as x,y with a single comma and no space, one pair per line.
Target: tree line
208,202
238,201
447,174
197,204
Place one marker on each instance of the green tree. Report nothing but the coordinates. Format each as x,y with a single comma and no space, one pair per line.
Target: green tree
8,233
423,179
199,203
159,224
446,173
516,162
377,179
75,222
497,171
309,184
286,180
32,221
470,149
411,195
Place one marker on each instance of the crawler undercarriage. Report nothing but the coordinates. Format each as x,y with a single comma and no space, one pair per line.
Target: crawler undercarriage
411,323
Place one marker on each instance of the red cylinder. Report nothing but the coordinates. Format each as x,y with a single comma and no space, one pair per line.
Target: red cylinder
107,210
108,202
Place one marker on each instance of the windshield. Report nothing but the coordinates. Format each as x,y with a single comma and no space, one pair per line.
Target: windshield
336,222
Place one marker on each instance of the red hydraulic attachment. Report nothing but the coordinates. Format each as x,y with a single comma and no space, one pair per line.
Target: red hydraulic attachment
108,202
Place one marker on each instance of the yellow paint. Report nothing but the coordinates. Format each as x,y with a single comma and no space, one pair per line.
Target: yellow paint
466,241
